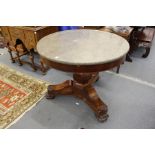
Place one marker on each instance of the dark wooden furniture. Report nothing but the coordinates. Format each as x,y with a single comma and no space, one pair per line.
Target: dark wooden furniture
22,40
142,37
125,33
87,52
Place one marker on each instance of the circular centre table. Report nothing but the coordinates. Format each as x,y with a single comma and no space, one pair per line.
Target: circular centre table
84,53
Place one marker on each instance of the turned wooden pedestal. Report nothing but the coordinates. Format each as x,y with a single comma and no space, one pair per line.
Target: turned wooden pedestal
81,87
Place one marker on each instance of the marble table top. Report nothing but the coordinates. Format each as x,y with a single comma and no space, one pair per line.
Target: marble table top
82,47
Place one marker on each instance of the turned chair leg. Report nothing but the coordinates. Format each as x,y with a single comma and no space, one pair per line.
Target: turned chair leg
118,68
128,58
18,58
43,69
12,59
146,53
31,58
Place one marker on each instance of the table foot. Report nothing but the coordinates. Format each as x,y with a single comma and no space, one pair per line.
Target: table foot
102,118
64,88
50,96
89,95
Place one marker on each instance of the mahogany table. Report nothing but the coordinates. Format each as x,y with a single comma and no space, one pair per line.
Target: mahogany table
85,53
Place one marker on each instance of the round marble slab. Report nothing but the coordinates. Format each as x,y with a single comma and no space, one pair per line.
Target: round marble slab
82,47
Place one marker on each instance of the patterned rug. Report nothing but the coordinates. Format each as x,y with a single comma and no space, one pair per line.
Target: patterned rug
18,94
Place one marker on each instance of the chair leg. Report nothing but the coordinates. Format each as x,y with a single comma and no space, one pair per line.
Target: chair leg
31,57
10,52
43,68
128,58
146,53
118,68
18,58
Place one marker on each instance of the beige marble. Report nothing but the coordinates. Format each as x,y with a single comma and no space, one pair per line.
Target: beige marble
82,47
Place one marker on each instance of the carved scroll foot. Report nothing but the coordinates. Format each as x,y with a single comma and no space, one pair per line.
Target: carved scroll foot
102,117
89,95
83,89
64,88
50,95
